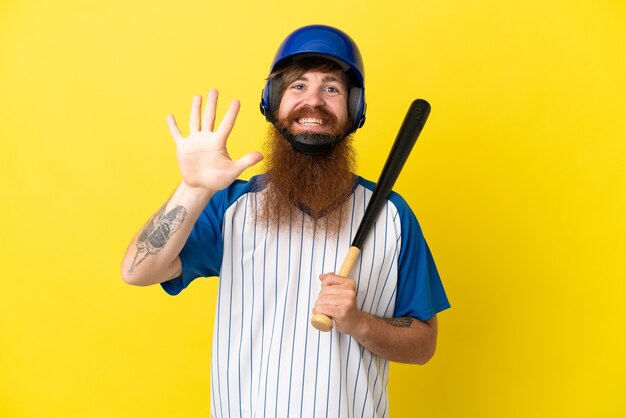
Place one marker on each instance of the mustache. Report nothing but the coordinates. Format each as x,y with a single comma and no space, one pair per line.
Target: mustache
312,112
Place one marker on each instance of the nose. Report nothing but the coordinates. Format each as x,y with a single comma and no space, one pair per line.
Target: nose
314,98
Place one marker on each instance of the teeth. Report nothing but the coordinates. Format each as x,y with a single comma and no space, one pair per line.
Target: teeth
310,121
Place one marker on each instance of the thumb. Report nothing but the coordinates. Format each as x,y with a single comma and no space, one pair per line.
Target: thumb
249,160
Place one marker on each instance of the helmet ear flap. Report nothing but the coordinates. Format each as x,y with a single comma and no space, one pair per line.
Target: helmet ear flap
356,106
270,98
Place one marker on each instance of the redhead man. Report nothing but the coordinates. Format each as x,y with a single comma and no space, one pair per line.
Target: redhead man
274,241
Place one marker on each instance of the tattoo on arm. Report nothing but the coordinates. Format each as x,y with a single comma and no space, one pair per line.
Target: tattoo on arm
404,322
157,233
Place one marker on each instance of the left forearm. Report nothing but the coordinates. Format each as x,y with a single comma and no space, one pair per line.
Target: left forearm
405,340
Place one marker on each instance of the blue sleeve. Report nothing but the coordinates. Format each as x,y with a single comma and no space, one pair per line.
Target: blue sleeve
420,292
202,254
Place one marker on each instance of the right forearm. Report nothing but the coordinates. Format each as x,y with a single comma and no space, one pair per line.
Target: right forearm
152,256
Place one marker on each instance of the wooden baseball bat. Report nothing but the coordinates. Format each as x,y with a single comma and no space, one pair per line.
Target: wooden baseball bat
405,140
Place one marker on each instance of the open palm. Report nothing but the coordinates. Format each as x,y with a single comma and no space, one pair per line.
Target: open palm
202,157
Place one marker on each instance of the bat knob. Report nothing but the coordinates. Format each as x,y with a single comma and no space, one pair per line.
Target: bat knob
322,322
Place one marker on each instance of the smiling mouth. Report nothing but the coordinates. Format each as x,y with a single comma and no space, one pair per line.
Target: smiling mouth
308,120
311,122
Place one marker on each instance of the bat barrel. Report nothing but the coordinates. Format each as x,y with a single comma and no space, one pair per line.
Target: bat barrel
410,129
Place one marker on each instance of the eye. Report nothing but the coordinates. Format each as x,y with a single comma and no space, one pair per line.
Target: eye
332,90
297,86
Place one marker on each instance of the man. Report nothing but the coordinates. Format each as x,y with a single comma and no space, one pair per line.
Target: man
275,240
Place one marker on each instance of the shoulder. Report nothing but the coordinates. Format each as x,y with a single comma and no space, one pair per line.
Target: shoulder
394,198
223,199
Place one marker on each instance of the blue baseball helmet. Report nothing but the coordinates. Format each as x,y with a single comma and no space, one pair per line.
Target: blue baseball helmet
324,42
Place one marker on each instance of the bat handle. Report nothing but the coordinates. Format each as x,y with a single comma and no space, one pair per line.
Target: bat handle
323,322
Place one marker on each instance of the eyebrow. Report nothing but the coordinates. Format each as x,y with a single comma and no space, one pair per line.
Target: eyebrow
327,78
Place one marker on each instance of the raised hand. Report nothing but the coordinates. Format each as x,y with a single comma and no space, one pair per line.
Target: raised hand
202,157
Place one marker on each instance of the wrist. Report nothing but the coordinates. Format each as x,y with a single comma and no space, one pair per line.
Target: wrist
190,196
362,330
195,192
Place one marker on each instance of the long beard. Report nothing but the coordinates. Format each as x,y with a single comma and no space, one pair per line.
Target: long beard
316,185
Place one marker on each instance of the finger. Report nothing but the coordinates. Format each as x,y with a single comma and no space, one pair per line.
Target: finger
335,291
335,310
330,275
249,160
324,275
329,297
331,279
226,125
344,298
246,161
323,309
208,117
174,131
194,117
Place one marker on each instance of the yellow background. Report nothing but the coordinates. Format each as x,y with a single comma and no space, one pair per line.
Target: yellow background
519,182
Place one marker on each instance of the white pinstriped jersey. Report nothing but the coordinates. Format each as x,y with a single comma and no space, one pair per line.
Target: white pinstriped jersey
267,360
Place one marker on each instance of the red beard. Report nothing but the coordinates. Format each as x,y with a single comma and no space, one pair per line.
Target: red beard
317,185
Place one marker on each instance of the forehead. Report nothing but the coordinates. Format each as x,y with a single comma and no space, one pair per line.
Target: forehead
336,76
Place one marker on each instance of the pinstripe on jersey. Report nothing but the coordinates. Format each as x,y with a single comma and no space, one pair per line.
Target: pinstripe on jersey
267,361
